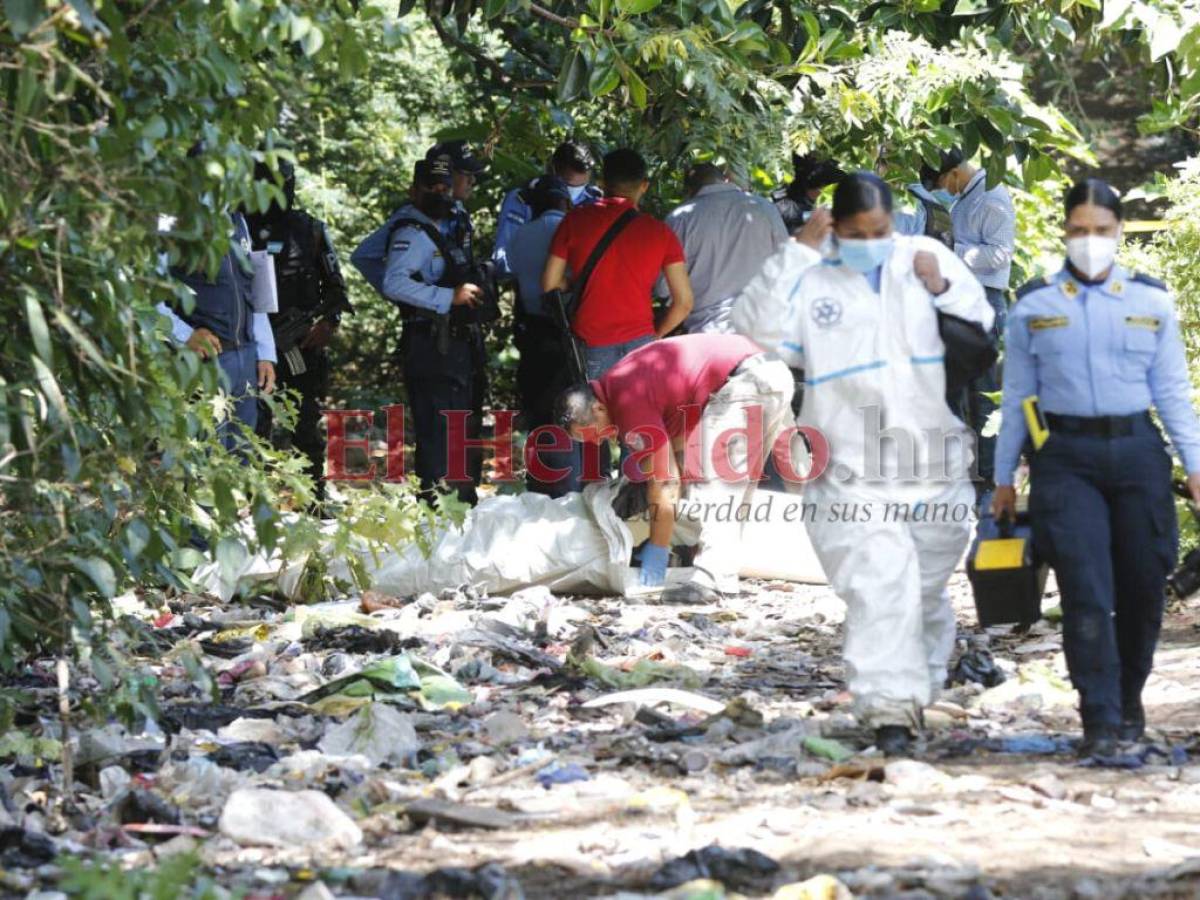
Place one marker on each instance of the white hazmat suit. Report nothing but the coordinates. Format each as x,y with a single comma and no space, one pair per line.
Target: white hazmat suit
890,516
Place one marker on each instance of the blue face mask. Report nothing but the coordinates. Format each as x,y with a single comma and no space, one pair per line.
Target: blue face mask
944,197
864,255
577,191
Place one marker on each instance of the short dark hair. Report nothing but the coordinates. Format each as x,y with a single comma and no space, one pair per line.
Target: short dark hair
574,405
859,192
810,172
572,156
624,168
948,160
549,192
1094,191
700,176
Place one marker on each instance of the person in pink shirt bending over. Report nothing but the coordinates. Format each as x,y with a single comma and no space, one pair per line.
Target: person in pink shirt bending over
703,410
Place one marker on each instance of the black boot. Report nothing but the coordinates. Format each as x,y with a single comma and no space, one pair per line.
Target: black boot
894,740
1099,740
1133,720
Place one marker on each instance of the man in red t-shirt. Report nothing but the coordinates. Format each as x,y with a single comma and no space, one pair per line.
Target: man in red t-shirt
615,314
717,401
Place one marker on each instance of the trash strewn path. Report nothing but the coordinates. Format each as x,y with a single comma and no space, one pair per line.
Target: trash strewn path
535,746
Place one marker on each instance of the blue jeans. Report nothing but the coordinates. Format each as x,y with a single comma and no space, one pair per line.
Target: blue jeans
599,361
239,375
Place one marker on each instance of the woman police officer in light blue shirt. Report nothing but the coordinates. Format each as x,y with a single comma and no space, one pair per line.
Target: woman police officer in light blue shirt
1099,346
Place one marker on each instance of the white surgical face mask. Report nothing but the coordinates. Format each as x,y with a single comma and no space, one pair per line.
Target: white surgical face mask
1093,254
577,191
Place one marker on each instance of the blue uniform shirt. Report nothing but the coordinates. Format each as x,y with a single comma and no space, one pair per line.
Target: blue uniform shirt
1109,349
985,229
515,212
415,265
527,253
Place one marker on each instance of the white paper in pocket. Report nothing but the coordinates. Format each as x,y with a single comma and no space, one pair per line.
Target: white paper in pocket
264,291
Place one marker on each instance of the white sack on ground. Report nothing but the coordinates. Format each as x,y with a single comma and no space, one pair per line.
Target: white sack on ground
572,545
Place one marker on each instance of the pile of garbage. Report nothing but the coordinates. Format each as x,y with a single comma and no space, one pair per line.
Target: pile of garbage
465,745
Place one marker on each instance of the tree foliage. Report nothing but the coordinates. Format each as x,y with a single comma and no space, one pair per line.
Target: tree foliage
111,472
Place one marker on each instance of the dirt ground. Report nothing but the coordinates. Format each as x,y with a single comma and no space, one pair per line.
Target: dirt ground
651,781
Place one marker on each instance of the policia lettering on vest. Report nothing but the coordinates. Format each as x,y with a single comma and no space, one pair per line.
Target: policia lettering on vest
1098,346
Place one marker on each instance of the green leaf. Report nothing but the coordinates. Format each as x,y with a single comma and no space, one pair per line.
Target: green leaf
100,573
604,80
137,537
574,76
79,336
637,7
23,15
313,42
1114,11
1165,35
637,88
38,329
971,7
231,557
51,391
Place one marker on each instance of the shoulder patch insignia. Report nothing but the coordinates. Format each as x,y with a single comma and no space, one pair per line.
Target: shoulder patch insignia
1152,322
1042,323
1146,279
1030,286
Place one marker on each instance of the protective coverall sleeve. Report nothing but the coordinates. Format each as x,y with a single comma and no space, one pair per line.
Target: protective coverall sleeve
1172,393
410,256
994,250
965,298
765,311
1020,381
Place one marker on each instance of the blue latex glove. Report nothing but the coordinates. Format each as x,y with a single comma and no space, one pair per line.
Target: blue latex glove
654,564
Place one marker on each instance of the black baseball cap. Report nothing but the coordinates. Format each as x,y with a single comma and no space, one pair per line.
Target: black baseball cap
461,157
432,172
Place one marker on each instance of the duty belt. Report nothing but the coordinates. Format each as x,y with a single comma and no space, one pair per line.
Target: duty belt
457,331
1099,426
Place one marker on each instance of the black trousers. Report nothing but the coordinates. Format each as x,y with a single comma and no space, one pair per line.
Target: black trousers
439,383
313,386
542,373
1104,518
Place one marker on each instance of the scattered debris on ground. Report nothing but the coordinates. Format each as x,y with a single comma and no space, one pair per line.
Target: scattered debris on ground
541,746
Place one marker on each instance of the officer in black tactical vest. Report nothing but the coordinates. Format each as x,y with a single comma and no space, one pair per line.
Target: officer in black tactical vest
432,279
312,298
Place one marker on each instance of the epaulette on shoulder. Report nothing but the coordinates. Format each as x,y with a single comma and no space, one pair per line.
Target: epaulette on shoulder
1030,286
1146,279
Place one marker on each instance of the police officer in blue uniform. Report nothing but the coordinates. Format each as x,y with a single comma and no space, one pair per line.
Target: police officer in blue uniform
543,371
465,168
426,275
1099,346
571,163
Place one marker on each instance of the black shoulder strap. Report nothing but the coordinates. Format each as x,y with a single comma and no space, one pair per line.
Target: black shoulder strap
431,231
599,250
1153,282
1030,286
